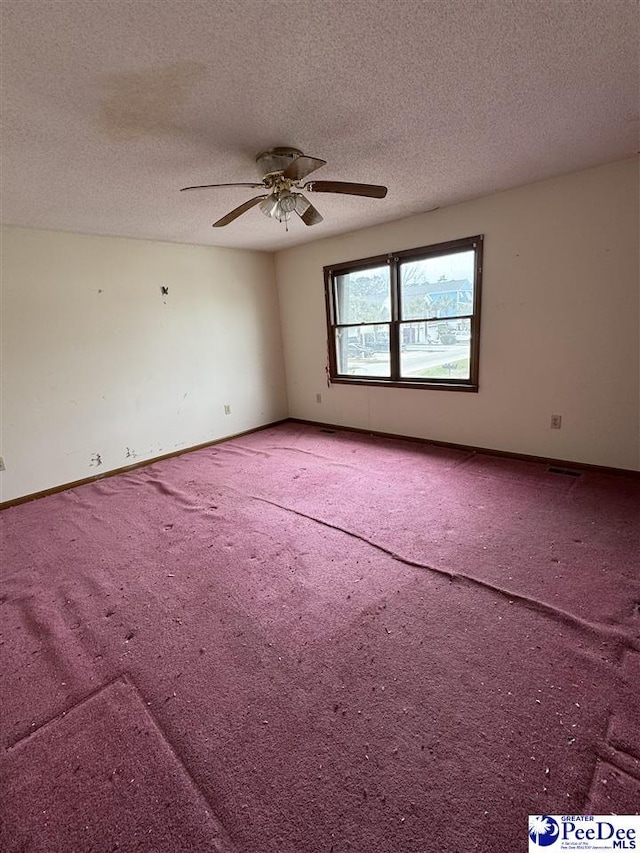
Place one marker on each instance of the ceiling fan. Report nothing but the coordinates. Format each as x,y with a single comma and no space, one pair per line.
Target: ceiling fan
283,171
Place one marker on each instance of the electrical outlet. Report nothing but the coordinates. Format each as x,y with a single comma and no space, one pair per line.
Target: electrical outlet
1,463
556,421
227,409
318,398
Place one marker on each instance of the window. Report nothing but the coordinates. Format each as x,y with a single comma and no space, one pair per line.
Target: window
409,319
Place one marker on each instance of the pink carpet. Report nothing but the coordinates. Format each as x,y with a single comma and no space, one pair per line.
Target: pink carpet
102,777
344,643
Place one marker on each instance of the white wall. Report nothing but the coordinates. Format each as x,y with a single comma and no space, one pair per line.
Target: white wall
96,361
560,318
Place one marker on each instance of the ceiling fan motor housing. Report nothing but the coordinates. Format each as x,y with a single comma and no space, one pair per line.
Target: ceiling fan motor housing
276,160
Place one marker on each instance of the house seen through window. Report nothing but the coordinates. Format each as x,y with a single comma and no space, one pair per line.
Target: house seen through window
409,318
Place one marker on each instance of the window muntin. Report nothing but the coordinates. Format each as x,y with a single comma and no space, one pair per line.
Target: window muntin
407,319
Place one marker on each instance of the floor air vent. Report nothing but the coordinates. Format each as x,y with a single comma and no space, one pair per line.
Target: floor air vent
568,472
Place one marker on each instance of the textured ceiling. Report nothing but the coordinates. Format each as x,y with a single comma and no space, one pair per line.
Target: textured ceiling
111,106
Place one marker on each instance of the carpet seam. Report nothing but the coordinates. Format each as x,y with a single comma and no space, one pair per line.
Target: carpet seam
147,709
126,679
63,714
554,613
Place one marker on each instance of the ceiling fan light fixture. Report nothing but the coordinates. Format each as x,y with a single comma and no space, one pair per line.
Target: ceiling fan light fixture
279,206
302,204
269,206
281,214
287,202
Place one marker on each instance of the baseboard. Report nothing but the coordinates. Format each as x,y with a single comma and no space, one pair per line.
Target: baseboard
560,463
66,486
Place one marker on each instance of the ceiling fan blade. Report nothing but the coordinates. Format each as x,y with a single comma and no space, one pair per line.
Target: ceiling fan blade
302,166
238,211
211,186
306,211
369,190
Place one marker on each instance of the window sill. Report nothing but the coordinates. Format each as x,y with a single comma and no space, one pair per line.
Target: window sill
420,385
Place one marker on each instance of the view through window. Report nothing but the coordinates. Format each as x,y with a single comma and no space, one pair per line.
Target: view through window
410,318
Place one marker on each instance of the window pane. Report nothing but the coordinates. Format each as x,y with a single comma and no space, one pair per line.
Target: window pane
363,350
435,349
364,296
440,286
